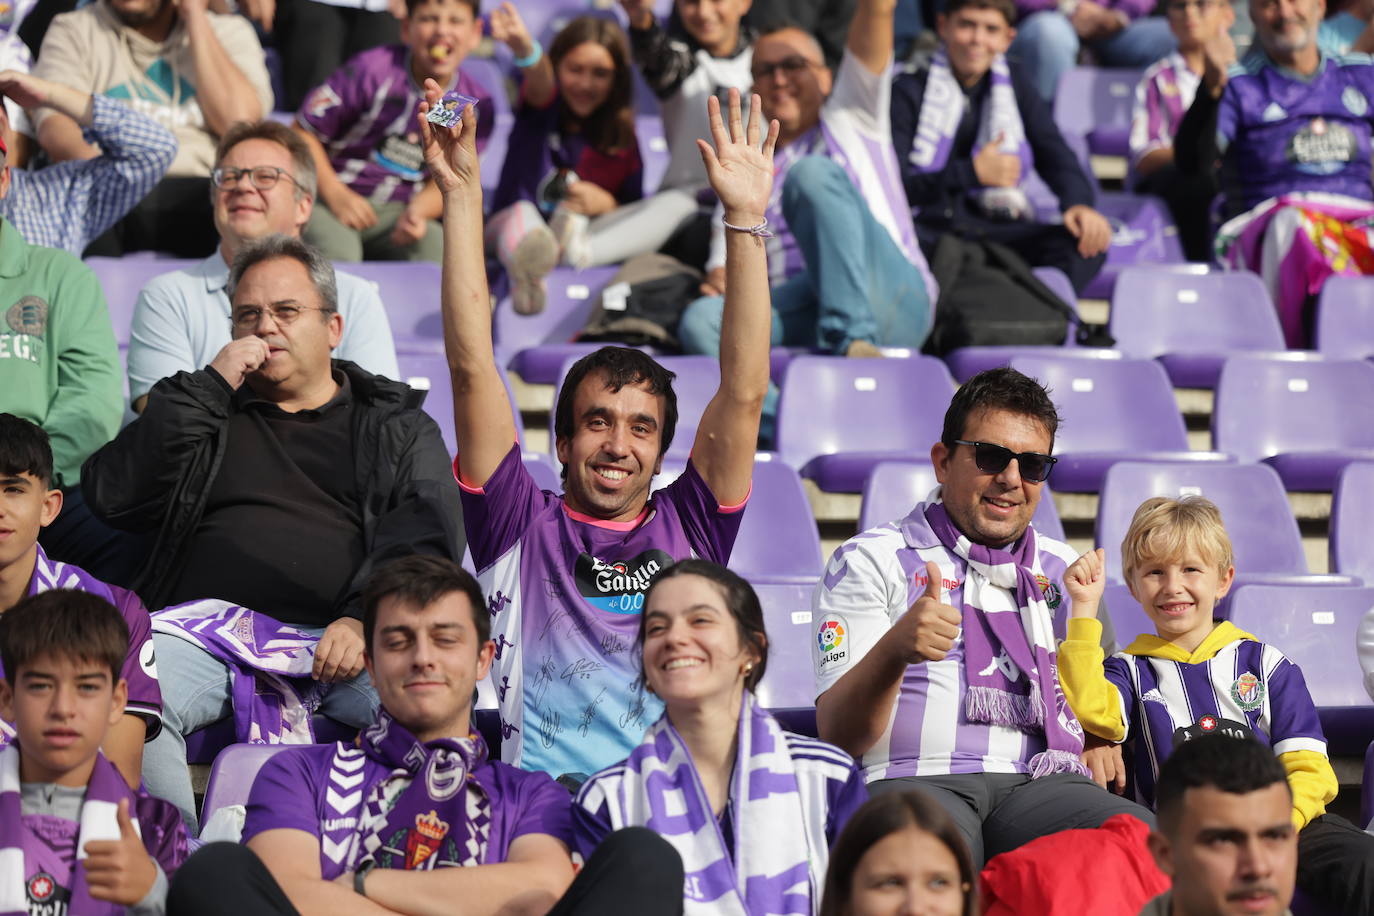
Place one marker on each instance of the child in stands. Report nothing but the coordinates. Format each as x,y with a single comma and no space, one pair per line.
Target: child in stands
1196,675
573,158
73,837
379,203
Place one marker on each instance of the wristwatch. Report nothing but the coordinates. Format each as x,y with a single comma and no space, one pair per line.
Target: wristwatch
360,876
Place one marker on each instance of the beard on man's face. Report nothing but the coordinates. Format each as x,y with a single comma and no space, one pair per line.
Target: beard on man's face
138,12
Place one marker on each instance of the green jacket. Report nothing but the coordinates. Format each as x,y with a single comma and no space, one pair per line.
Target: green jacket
59,366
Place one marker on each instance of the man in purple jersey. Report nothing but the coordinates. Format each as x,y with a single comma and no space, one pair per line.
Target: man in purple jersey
566,575
413,816
27,505
935,653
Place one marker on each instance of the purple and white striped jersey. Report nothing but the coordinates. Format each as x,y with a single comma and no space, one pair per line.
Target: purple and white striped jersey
869,583
364,114
1162,97
565,592
1246,681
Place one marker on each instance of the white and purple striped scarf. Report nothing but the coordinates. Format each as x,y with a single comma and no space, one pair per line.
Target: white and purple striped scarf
942,108
273,694
1009,645
774,871
99,821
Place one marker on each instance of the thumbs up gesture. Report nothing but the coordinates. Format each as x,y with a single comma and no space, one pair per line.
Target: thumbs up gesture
121,870
931,625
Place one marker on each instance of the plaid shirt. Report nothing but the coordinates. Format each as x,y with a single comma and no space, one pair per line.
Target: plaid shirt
68,204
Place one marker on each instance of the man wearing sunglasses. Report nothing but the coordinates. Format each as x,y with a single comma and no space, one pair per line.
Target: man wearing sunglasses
936,635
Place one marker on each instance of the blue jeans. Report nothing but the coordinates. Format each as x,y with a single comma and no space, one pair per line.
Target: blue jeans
195,693
1046,45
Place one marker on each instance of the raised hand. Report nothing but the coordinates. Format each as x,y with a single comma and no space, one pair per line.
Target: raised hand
739,171
508,28
1085,581
450,152
120,871
930,626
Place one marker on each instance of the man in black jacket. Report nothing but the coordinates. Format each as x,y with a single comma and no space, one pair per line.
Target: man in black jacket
274,479
968,134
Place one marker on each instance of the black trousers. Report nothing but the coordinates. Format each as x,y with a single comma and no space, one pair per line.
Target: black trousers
1336,864
76,536
633,871
176,217
1190,204
314,39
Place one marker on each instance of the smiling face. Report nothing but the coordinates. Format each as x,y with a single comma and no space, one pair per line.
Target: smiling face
693,650
973,38
791,79
907,873
713,23
1287,27
614,451
426,661
1231,853
585,77
1180,595
1194,22
299,351
440,34
61,709
991,509
26,506
244,213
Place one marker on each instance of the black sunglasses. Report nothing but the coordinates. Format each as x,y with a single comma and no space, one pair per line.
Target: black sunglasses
993,459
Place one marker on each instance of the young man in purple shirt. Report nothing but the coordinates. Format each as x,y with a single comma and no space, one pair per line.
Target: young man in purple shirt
565,575
413,815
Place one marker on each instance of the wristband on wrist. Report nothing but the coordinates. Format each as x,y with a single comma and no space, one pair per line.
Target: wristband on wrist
759,231
360,877
532,58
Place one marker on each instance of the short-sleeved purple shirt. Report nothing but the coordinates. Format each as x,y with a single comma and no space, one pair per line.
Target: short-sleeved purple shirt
565,593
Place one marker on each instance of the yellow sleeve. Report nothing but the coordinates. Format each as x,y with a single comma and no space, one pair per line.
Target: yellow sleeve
1313,783
1093,699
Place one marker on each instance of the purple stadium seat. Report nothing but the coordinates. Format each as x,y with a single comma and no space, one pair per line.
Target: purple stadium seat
1112,410
543,365
410,294
1351,549
1128,617
1308,419
538,344
837,418
1254,508
1142,233
1192,322
1367,796
698,377
123,279
893,488
544,471
1316,630
1345,318
231,777
203,745
653,148
790,680
1095,103
428,372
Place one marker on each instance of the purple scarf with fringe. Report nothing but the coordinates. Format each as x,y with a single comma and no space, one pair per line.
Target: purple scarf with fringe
1009,645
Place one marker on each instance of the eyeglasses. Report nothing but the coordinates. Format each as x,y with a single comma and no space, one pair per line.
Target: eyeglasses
250,315
263,177
993,459
1180,7
788,65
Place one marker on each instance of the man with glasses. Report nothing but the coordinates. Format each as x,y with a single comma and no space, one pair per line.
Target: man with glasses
263,183
275,479
935,655
847,274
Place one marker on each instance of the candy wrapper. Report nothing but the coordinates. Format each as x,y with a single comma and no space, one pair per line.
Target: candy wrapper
449,111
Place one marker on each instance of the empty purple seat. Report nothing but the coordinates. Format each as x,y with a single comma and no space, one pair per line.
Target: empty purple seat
410,294
837,417
1254,508
538,344
231,777
428,372
544,471
653,146
122,279
1095,103
1345,318
1308,419
1316,629
1128,617
1142,233
893,489
1192,322
543,365
1350,548
1112,410
790,680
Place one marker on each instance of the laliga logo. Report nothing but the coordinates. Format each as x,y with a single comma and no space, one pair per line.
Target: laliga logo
829,639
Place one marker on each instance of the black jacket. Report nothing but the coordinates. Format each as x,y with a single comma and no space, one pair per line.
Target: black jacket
155,476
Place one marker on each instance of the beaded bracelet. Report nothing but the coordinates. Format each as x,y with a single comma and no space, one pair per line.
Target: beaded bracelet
759,232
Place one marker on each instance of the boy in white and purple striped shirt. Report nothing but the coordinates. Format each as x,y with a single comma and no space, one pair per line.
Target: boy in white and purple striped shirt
1196,676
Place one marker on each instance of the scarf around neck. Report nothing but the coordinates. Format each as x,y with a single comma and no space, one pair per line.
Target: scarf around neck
942,109
1009,645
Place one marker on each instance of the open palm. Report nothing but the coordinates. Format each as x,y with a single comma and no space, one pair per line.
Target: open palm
450,152
739,171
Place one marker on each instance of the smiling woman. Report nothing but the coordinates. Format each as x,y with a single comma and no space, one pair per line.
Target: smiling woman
704,650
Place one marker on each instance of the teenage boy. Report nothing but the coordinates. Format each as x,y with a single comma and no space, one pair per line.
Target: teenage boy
379,203
969,133
29,503
1195,676
74,838
414,817
1164,93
